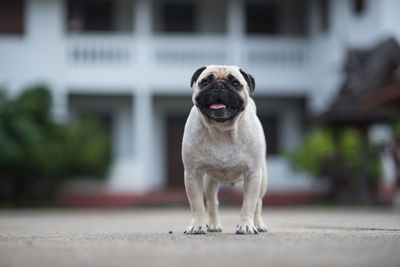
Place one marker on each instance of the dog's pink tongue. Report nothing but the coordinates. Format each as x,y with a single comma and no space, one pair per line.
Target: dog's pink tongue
218,106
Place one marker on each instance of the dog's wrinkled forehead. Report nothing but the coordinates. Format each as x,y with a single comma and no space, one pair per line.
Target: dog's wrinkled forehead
222,72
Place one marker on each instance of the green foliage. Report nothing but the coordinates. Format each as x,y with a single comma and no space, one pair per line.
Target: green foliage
319,147
316,148
33,148
350,146
395,125
349,162
88,150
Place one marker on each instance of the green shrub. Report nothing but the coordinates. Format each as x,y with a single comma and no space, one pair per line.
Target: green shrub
35,150
338,156
311,155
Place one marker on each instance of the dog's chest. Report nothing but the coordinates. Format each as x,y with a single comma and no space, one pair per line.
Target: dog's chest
224,156
224,162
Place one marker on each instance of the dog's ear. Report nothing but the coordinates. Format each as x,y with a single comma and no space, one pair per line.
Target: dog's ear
250,81
196,75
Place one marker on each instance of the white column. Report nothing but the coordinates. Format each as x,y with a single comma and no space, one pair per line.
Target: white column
136,174
143,103
143,116
236,31
133,173
143,139
45,60
143,109
143,30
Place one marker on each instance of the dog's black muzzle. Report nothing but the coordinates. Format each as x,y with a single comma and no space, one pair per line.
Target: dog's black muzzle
220,103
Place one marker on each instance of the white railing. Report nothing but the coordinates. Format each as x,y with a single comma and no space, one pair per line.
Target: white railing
100,50
188,50
276,52
103,50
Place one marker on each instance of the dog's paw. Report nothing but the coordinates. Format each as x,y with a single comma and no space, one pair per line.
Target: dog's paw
261,227
195,230
214,228
246,229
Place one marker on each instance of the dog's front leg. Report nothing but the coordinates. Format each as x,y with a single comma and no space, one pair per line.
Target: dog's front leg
211,194
194,191
251,193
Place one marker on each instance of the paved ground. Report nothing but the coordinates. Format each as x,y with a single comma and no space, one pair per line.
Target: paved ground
140,237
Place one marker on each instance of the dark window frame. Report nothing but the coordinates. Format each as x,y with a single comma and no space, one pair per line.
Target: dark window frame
325,16
359,7
270,124
14,11
261,24
171,12
91,22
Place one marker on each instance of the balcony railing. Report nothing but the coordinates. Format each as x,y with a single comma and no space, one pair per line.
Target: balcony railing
100,50
194,51
110,51
276,52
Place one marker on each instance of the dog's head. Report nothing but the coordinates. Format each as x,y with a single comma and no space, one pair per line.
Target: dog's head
221,92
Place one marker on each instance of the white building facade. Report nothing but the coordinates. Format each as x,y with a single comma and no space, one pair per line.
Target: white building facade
129,62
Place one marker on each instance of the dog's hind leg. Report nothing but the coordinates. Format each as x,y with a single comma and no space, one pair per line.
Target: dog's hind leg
211,193
258,220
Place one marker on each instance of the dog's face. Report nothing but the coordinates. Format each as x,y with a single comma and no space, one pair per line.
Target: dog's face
221,92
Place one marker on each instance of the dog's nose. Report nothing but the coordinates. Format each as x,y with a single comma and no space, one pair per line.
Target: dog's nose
219,86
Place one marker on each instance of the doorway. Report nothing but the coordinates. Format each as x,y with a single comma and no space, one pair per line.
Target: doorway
175,128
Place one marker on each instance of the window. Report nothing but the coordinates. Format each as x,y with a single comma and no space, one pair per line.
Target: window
12,16
261,18
358,6
178,17
89,15
270,126
324,15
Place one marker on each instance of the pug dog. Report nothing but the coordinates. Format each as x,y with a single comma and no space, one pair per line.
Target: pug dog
224,142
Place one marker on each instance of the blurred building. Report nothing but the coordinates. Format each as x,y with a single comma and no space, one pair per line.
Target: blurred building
129,63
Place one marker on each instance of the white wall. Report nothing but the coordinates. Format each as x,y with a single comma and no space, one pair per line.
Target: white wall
37,55
389,18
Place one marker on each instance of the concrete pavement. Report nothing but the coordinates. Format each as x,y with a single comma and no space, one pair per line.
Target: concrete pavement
141,237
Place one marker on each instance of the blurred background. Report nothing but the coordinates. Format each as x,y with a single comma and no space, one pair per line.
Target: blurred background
95,93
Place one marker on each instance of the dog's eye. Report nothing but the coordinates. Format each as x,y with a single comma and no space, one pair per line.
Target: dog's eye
203,83
236,83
